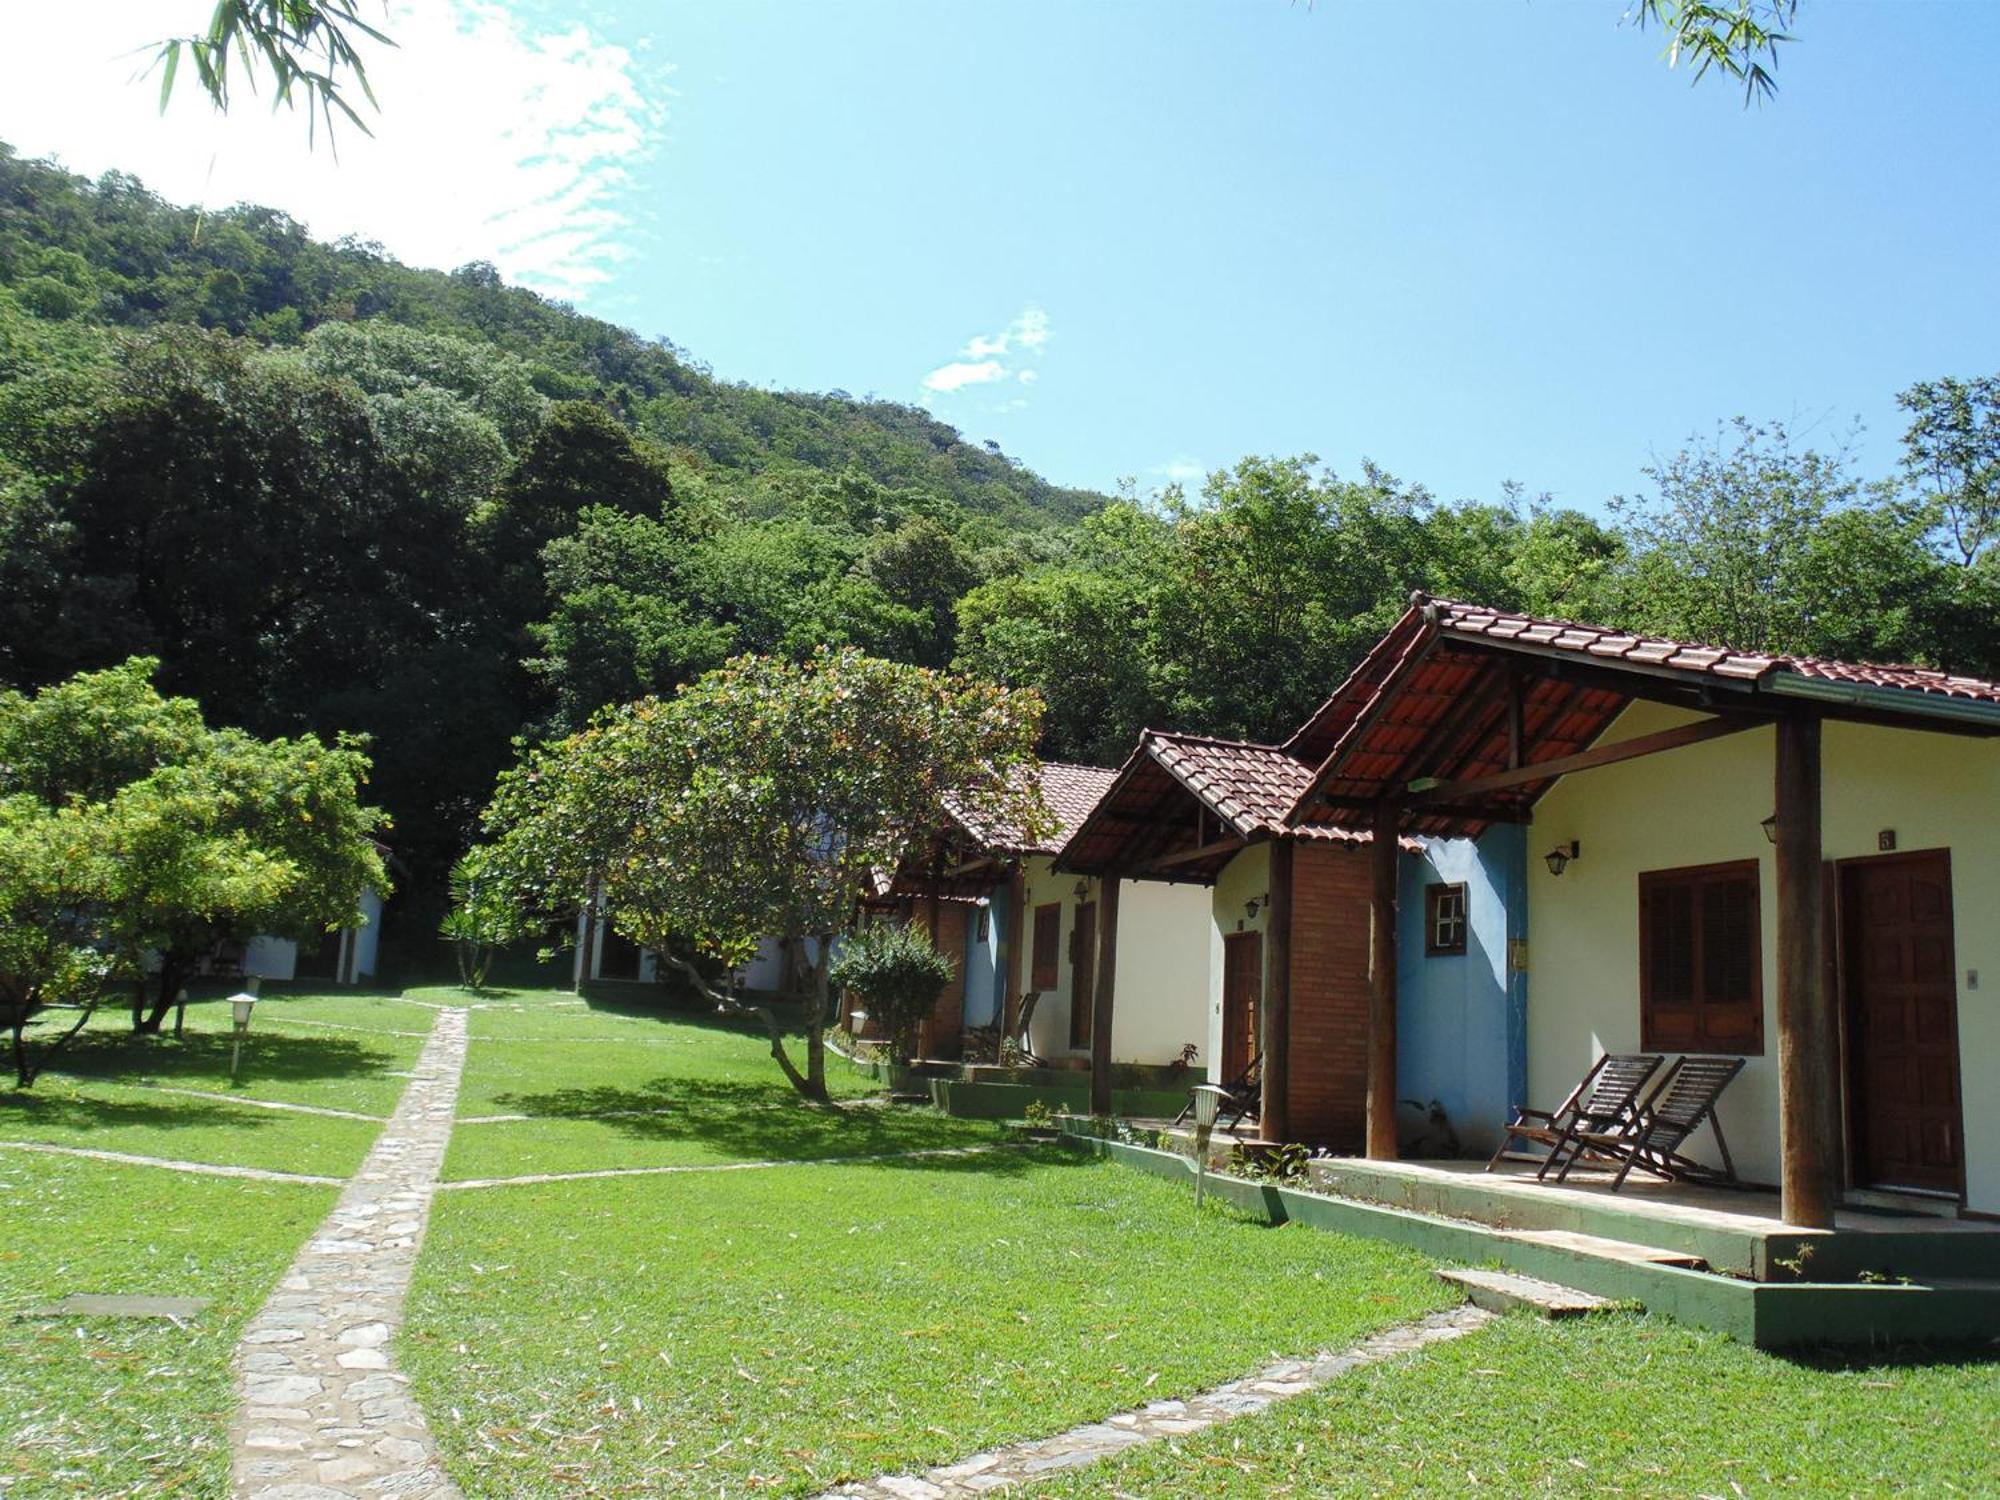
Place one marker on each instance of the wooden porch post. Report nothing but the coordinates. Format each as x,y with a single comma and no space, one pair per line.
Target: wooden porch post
1100,1014
1808,1035
1010,965
1275,1014
1382,984
931,900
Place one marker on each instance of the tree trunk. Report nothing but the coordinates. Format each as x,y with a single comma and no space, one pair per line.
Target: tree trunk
173,966
816,1010
729,1005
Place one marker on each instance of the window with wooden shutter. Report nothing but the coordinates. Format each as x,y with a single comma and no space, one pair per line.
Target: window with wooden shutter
1048,934
1701,962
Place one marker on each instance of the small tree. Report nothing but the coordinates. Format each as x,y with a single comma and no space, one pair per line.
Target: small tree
53,872
898,975
219,836
482,919
759,803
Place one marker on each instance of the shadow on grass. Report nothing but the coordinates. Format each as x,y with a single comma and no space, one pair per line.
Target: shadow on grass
203,1058
81,1114
761,1122
1849,1359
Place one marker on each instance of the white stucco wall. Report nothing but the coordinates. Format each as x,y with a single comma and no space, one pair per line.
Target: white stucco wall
271,958
1163,938
1164,934
1703,804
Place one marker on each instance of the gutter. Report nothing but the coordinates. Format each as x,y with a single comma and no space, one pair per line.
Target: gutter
1901,702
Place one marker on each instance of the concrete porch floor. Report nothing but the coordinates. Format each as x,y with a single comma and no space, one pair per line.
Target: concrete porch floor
1745,1209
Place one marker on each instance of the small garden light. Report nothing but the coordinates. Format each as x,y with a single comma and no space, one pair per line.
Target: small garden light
1208,1099
240,1006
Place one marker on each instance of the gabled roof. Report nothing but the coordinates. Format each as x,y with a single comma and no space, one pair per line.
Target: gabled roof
1182,792
1432,700
1070,791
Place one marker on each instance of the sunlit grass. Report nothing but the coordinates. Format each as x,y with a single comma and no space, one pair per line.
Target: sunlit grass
781,1331
100,1406
1615,1405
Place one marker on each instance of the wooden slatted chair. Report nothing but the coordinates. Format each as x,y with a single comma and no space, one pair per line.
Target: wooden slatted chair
1245,1097
1684,1099
1606,1098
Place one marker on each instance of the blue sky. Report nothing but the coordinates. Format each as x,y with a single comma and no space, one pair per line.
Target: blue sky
1470,241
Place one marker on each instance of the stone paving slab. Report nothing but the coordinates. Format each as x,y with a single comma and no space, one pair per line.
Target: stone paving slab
199,1168
107,1305
1022,1463
323,1413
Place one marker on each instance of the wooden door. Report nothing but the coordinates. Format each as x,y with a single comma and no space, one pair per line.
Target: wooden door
1901,994
1242,987
1082,974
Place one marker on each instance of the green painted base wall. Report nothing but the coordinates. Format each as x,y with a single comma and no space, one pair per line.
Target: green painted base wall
1769,1315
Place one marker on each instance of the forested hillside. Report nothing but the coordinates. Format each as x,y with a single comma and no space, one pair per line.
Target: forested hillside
332,492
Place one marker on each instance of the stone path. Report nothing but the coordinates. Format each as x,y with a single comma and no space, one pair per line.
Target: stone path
469,1183
199,1168
1022,1463
323,1413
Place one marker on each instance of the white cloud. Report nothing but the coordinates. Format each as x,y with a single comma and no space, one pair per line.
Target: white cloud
989,357
961,373
496,140
1180,469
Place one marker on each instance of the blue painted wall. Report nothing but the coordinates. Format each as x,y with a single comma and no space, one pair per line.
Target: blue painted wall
1461,1020
983,958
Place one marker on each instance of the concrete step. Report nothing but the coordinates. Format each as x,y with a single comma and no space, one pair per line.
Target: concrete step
1600,1248
1503,1291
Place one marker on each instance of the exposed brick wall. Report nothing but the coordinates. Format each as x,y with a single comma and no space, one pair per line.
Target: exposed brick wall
1328,1089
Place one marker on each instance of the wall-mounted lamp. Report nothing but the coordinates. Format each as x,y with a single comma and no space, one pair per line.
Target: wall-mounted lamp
1559,857
1255,903
1082,889
1770,827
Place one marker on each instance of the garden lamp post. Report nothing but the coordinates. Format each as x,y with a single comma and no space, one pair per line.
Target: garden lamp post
1207,1100
240,1006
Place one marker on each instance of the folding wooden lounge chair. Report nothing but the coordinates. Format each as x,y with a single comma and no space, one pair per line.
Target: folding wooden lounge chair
1605,1099
1676,1109
1245,1097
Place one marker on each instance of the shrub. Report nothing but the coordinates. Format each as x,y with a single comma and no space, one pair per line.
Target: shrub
897,974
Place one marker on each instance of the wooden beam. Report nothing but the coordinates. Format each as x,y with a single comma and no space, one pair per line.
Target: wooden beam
1809,1131
1101,1007
1010,962
973,867
1422,792
1382,984
1188,856
1274,1023
1515,718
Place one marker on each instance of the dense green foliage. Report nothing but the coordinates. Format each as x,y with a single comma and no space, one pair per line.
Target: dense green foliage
130,829
897,974
759,801
335,493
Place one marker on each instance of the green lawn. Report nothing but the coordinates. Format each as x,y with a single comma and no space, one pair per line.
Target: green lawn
112,1091
1614,1405
622,1086
783,1330
99,1406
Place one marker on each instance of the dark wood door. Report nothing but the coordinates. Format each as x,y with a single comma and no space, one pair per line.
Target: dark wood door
1242,987
1082,974
1902,1022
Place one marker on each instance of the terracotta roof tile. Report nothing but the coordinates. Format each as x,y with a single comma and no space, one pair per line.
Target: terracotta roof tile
1070,791
1472,620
